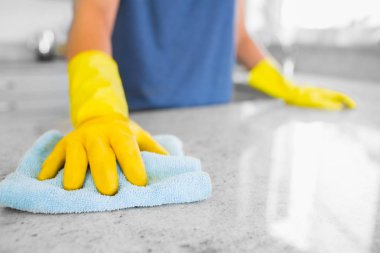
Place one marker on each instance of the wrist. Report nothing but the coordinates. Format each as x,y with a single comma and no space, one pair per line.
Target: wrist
105,118
266,77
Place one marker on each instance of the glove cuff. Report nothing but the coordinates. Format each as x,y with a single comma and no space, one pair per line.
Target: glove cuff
266,78
95,87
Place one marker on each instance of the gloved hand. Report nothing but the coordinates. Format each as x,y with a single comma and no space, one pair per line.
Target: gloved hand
266,78
103,132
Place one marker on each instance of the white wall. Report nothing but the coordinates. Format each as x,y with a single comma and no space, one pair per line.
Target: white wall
20,20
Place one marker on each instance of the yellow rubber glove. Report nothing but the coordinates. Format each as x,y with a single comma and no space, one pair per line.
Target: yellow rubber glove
266,78
103,132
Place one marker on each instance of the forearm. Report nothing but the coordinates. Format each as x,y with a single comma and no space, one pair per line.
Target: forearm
92,26
248,52
95,85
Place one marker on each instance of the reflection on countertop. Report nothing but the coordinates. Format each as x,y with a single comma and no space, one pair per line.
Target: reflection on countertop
324,187
284,179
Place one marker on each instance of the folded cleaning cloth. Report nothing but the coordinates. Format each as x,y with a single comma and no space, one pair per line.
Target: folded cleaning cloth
172,179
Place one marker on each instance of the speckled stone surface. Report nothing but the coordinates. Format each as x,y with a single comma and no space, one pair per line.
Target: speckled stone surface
235,143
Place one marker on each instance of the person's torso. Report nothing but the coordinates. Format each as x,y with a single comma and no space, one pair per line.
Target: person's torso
175,53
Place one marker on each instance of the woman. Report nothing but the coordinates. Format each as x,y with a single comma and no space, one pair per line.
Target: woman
165,54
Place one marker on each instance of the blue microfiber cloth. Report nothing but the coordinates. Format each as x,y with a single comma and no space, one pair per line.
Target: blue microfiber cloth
172,179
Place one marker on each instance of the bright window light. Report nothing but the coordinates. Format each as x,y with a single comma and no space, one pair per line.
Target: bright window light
322,14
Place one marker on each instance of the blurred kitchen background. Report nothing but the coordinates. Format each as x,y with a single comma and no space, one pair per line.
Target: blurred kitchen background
329,37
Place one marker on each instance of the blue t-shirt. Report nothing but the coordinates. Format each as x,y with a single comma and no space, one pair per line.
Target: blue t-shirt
175,53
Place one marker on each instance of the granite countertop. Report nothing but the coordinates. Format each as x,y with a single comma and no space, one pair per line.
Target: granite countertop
261,202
